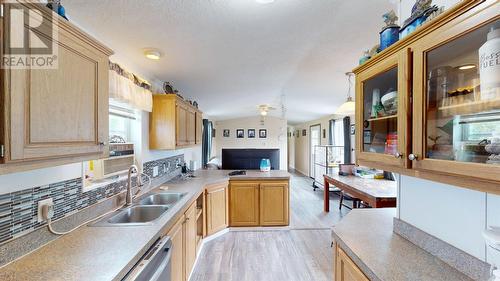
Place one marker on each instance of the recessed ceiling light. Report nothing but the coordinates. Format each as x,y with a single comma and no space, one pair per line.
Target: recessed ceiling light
264,1
152,54
467,66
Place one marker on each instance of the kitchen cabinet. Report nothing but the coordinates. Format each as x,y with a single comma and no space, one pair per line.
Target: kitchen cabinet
176,234
345,268
199,127
172,124
258,203
217,209
190,242
446,77
55,116
244,203
274,209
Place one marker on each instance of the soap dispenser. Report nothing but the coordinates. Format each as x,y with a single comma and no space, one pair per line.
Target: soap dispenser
492,237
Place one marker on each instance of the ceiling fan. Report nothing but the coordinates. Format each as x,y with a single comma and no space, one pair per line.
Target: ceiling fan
264,109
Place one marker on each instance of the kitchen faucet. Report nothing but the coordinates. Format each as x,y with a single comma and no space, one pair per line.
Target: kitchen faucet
129,196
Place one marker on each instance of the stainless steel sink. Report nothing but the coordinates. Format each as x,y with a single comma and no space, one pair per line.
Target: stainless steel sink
163,198
135,215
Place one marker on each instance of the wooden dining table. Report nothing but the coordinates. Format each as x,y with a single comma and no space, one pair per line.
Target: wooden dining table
377,193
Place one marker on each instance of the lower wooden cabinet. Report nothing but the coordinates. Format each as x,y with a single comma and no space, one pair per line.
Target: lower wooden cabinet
258,203
190,231
216,208
274,209
346,269
177,261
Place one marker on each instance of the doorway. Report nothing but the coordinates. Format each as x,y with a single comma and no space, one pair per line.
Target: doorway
314,140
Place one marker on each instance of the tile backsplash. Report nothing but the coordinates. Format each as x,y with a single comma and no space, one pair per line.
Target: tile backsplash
19,210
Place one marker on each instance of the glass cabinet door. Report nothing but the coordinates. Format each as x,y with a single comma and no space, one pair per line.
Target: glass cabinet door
459,101
382,102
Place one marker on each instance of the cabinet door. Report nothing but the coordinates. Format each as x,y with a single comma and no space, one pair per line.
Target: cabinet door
181,125
59,112
191,126
217,208
190,231
382,113
199,127
177,261
346,269
274,200
457,99
244,204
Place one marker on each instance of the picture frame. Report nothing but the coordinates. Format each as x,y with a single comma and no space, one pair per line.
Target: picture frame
226,133
324,133
240,133
251,133
262,133
353,129
297,134
304,132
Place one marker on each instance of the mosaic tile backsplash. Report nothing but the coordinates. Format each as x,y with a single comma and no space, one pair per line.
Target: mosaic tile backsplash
19,210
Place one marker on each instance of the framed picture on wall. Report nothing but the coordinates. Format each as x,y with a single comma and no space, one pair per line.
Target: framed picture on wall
324,133
262,133
297,134
304,132
353,129
251,133
240,133
225,133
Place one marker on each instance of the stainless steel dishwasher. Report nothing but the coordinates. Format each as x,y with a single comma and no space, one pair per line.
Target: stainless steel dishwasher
155,264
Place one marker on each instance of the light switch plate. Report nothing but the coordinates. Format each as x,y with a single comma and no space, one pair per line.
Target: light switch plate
155,171
41,203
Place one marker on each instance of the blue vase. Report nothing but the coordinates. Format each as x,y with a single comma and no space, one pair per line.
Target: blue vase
389,36
265,165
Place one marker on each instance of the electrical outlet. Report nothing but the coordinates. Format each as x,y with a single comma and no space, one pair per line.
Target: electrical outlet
155,171
42,203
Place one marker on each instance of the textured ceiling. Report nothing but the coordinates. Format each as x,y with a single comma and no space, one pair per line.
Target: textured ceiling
232,55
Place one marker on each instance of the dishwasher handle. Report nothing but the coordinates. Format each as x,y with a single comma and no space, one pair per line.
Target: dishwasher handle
154,263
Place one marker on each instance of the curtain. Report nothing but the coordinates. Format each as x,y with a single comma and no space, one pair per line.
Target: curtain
123,89
347,140
331,124
206,149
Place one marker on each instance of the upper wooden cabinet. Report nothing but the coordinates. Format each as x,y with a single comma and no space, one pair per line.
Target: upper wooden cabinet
447,78
55,116
173,123
199,127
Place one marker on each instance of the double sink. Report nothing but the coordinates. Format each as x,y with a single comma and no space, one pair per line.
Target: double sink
146,211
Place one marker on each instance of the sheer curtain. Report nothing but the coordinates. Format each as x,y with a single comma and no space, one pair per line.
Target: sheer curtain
336,133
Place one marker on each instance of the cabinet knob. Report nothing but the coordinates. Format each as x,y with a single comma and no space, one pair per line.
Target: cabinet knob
398,155
101,143
412,157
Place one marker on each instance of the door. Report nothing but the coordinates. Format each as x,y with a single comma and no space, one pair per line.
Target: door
382,113
217,208
346,269
457,98
191,126
181,124
190,232
244,204
314,140
59,112
177,261
274,200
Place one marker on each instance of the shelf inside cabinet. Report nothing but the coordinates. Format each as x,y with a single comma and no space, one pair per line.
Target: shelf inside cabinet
470,107
383,118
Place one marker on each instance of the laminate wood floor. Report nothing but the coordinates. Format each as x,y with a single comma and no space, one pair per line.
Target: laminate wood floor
301,252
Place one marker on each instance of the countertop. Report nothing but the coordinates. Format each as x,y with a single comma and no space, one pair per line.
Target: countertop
367,237
108,253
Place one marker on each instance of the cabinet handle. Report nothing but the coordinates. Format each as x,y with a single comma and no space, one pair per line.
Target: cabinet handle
398,155
101,143
413,157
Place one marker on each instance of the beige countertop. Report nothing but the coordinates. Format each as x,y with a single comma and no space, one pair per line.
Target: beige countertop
108,253
367,237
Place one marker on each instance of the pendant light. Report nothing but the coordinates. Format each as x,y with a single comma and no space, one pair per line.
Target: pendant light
348,107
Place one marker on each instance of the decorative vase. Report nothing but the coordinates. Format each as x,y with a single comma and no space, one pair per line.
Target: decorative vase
265,165
388,36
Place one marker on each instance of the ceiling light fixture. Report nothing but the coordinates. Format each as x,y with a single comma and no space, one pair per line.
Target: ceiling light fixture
467,66
264,1
348,107
152,54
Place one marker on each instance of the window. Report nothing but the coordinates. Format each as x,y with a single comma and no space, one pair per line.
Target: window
120,122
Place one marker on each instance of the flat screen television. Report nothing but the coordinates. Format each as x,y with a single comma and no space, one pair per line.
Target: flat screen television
249,159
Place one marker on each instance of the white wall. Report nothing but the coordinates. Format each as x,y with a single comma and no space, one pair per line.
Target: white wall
276,135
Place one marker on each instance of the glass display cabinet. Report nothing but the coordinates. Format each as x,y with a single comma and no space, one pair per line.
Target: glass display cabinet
456,116
382,105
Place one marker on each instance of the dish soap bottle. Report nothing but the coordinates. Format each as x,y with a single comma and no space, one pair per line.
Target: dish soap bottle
489,66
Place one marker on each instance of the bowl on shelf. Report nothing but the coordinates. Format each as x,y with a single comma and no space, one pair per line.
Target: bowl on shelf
390,102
